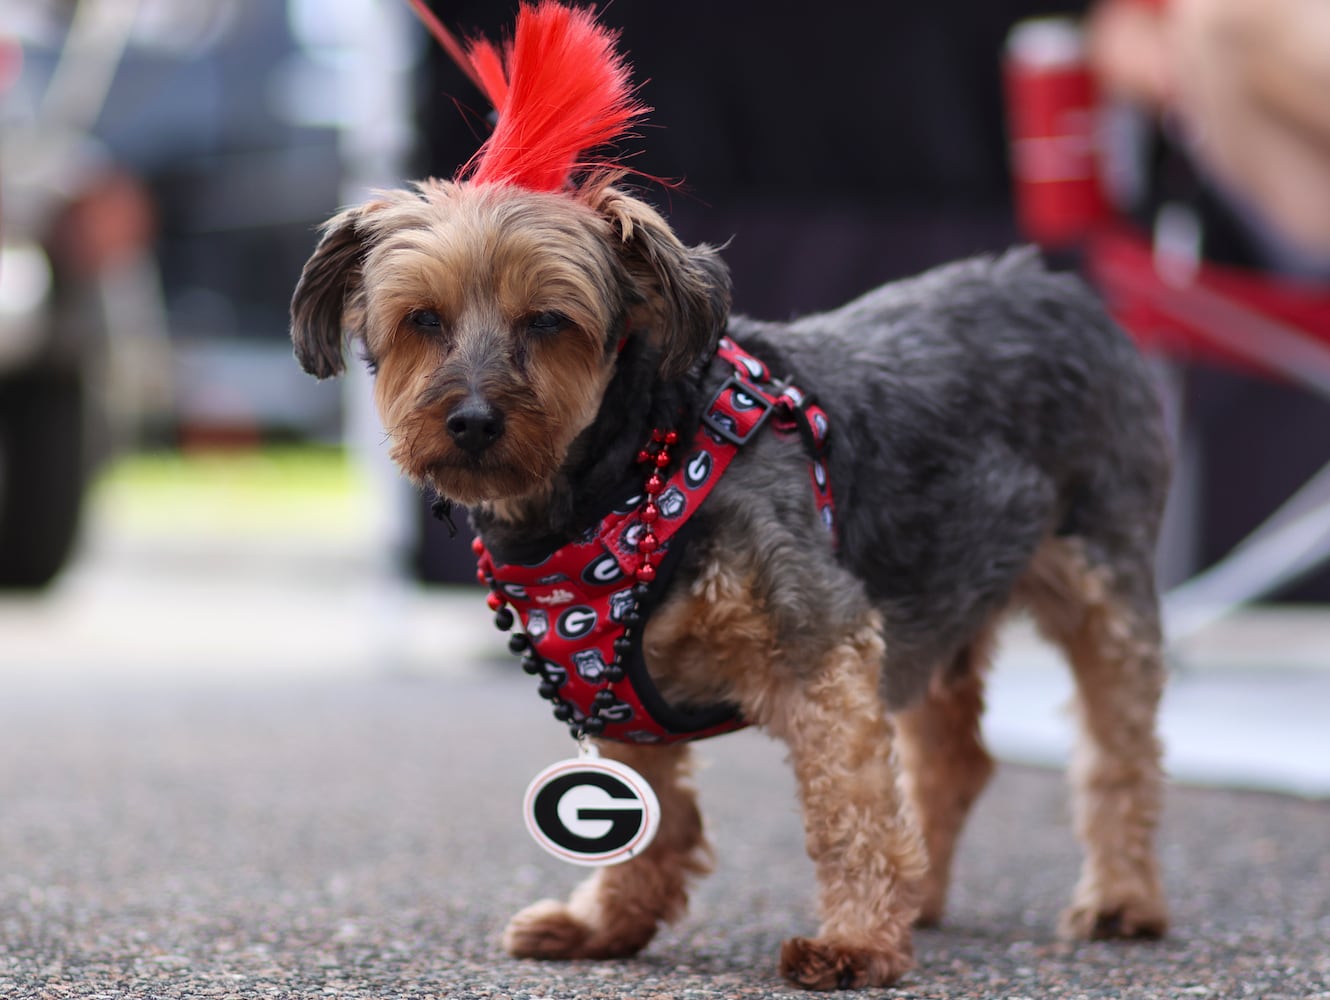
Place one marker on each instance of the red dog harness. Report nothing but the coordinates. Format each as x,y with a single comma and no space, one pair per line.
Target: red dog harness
584,607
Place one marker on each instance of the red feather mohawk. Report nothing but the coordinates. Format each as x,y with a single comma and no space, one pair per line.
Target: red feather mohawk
560,89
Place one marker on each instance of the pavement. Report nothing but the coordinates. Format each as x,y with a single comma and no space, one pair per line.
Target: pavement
256,764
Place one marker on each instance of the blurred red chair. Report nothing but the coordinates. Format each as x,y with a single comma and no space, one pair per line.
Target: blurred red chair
1178,306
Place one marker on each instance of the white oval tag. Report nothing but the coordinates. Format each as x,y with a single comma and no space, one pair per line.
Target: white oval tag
591,811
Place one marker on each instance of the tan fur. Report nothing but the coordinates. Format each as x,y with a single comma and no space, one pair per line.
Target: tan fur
486,265
1116,776
859,832
946,766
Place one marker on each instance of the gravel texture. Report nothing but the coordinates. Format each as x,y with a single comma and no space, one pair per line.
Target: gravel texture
362,838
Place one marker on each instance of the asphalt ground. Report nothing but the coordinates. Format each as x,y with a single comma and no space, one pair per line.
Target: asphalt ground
360,837
237,759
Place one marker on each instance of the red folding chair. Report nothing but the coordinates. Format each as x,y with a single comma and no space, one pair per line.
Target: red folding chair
1177,306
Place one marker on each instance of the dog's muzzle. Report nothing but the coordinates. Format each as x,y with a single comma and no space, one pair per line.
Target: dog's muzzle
475,425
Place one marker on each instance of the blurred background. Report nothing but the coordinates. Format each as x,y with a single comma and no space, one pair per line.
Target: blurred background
164,166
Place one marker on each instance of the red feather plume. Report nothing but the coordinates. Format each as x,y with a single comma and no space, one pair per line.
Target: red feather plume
560,89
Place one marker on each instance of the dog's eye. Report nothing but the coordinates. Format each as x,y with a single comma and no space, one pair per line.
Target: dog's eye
425,319
547,322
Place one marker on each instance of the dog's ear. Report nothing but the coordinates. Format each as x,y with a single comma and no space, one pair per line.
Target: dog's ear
330,275
684,290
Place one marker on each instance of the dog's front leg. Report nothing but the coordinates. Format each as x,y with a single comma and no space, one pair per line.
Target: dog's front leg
617,911
869,856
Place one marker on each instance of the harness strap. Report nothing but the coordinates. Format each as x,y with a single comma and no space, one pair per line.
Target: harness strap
581,609
790,409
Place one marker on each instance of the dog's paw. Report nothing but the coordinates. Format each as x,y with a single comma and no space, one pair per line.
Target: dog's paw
825,965
550,929
545,930
1138,917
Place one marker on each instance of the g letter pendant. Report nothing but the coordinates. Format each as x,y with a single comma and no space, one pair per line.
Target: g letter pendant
591,811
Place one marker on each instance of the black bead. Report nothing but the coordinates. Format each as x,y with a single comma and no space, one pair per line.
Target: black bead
518,642
563,711
603,699
593,726
503,619
641,590
549,689
613,673
633,617
623,646
531,664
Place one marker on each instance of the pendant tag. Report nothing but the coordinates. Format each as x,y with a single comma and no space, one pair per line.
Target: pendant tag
591,811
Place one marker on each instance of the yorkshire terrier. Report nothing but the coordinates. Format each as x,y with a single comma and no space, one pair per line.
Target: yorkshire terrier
549,355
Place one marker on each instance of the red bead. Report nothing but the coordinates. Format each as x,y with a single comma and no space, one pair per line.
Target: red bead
655,484
480,576
647,543
643,457
646,573
650,512
672,437
477,546
494,601
662,459
658,436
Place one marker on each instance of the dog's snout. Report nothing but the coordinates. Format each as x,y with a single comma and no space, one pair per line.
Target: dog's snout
475,424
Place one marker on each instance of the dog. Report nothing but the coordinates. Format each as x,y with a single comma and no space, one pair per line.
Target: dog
993,444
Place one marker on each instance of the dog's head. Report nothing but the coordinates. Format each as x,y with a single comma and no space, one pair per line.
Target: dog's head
494,318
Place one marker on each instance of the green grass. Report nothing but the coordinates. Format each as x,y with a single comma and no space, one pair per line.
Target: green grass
281,491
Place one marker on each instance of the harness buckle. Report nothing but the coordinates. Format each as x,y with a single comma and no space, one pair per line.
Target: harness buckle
745,397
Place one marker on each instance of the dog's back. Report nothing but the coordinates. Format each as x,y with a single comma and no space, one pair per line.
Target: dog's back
977,410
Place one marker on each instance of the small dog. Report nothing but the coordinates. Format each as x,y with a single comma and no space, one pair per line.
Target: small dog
995,444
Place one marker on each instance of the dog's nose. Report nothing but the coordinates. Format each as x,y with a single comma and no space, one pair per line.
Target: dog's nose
475,425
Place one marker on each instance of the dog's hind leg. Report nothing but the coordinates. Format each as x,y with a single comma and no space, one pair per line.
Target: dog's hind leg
945,763
618,910
1105,615
859,830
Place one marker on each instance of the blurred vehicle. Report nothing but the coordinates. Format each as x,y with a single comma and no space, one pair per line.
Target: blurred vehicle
75,263
163,167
